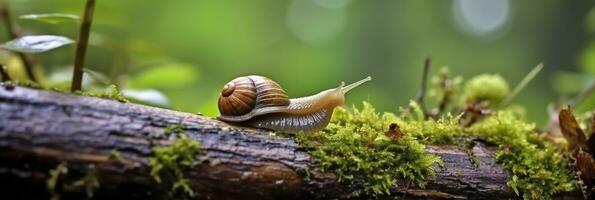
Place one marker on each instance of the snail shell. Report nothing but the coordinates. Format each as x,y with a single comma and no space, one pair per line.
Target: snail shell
260,102
247,93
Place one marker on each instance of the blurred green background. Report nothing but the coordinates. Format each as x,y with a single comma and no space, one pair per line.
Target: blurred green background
188,49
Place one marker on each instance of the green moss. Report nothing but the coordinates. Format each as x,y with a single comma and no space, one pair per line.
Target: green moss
116,154
469,150
88,182
173,129
491,88
354,145
55,175
57,181
174,159
113,93
442,131
25,83
538,171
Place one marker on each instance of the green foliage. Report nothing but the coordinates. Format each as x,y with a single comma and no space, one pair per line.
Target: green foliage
538,170
354,145
51,18
36,43
491,88
174,159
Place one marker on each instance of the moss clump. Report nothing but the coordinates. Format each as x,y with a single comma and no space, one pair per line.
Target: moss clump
26,83
117,155
538,171
486,87
174,159
57,182
88,182
444,130
354,145
173,129
430,131
52,182
469,150
113,93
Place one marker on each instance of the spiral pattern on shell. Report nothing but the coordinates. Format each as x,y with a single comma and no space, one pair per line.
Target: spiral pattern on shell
244,94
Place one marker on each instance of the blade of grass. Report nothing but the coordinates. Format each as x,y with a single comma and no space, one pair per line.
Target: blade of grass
522,84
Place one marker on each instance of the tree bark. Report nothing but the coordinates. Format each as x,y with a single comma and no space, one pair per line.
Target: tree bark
40,129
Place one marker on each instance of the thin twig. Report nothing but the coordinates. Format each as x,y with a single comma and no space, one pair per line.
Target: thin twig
13,34
522,84
5,76
422,89
81,48
406,190
446,96
581,96
424,80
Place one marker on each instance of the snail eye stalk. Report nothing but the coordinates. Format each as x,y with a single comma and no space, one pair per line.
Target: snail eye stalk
346,89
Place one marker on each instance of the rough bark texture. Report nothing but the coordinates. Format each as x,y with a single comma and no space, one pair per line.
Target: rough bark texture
41,129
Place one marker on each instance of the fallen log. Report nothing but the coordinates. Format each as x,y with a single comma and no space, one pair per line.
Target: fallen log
41,129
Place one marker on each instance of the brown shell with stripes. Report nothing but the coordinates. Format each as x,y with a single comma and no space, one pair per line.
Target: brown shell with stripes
247,94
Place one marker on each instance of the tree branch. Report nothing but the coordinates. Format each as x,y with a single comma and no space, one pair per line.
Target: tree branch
41,129
422,89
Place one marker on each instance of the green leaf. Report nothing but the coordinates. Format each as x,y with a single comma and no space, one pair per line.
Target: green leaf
147,96
167,76
36,43
52,18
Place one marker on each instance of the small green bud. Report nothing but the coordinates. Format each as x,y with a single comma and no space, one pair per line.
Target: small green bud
490,87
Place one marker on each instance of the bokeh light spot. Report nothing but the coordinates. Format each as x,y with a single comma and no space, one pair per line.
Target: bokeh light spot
481,17
313,23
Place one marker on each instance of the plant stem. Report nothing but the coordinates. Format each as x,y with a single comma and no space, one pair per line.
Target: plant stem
5,76
13,34
422,89
522,84
81,48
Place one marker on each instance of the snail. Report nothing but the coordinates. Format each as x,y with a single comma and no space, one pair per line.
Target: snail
260,102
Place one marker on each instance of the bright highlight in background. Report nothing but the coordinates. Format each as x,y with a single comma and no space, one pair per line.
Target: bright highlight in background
481,17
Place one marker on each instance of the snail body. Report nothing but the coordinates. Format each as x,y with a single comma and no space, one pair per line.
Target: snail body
260,102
